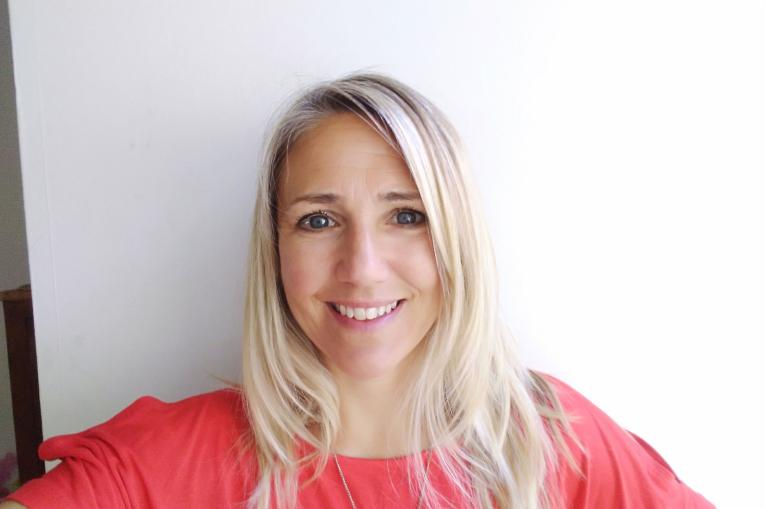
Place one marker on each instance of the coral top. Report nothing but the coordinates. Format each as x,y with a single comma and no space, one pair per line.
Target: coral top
185,455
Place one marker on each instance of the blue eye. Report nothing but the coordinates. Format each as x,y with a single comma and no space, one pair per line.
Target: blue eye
315,221
409,217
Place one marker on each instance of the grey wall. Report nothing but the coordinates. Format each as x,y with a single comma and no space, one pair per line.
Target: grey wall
14,265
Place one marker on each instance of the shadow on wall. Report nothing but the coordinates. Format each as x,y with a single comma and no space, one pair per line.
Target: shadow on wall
14,267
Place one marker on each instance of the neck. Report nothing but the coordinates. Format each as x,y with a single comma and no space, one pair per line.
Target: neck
371,426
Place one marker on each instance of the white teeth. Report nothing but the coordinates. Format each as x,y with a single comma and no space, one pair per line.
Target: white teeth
364,313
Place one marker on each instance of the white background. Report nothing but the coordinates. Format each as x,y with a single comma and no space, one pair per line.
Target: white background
617,146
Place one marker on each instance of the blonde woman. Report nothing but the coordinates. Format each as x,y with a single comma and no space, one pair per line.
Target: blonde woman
376,372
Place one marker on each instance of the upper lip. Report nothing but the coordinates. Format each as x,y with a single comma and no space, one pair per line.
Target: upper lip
364,303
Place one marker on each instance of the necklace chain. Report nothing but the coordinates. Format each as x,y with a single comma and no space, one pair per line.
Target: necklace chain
348,491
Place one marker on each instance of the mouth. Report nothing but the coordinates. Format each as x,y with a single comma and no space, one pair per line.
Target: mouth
366,314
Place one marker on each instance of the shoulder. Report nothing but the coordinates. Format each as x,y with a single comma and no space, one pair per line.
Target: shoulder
602,437
151,426
211,408
619,468
597,430
585,417
151,454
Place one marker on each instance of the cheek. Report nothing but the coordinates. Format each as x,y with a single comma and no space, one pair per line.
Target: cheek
295,268
302,270
426,263
418,268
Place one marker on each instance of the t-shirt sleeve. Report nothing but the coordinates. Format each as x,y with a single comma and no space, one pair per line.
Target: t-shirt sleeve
620,469
151,454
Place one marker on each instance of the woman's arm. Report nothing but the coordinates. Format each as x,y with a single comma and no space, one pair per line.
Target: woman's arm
11,505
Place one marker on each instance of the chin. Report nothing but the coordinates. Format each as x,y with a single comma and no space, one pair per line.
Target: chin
368,369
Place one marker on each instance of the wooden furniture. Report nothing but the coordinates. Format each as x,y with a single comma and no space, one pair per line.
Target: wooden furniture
25,392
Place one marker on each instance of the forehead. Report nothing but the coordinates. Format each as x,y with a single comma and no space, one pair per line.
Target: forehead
341,153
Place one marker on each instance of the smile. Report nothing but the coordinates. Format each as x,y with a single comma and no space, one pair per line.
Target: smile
369,318
363,314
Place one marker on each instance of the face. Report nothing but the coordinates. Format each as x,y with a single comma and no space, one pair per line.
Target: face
356,258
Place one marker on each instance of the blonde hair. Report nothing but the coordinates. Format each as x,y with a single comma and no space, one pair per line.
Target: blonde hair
492,424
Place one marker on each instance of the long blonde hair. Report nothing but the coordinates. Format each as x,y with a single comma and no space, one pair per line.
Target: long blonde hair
492,424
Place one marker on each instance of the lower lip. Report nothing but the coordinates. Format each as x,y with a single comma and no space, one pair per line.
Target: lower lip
366,325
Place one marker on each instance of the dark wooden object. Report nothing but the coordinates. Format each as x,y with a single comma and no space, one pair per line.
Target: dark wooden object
25,392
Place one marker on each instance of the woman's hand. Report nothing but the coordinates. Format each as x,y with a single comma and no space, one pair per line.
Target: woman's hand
11,505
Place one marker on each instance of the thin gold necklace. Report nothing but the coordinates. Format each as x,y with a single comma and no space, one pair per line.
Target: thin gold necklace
348,491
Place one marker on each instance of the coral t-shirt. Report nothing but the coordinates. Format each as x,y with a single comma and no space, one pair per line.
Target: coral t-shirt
186,455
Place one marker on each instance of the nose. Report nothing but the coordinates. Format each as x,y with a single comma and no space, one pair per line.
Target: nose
362,258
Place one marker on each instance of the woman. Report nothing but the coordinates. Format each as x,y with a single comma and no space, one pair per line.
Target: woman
376,370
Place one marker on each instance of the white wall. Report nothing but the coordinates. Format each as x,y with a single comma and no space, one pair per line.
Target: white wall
617,146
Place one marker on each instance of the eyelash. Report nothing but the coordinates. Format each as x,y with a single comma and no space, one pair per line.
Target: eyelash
303,221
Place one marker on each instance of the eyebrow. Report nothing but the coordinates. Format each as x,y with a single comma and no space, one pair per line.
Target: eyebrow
330,198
